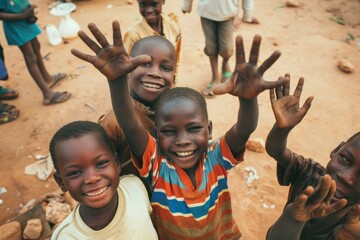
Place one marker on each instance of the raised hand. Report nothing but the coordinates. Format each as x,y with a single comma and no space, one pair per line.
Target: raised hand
286,107
350,230
247,80
111,60
316,203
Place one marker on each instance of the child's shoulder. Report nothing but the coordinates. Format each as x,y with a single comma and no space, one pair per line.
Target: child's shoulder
132,185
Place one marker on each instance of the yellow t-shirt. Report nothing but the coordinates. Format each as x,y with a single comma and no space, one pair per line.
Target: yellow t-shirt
171,30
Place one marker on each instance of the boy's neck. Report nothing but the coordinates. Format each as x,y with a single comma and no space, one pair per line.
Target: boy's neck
137,98
158,26
91,215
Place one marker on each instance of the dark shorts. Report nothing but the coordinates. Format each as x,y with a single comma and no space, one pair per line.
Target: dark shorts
218,37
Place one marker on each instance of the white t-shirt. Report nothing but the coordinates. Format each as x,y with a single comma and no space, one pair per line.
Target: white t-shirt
216,10
131,221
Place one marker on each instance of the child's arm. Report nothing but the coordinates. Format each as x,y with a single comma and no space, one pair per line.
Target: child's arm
287,114
350,230
247,83
114,63
309,204
26,14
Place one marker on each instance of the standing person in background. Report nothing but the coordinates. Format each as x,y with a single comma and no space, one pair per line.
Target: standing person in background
8,112
20,29
218,20
155,23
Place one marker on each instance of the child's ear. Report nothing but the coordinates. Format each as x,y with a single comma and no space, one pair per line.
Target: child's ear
59,181
210,129
333,152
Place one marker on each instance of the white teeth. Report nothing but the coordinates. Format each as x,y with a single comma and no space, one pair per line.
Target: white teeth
152,85
97,192
184,154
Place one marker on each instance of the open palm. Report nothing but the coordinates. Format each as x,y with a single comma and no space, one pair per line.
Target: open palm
286,107
111,60
247,79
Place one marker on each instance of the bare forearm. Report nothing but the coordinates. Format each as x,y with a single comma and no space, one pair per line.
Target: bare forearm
246,124
285,227
123,106
13,16
276,145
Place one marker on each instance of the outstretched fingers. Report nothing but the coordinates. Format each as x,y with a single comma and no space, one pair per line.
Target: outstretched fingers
322,191
240,52
140,60
255,48
100,37
117,38
299,88
226,87
276,84
89,42
269,62
86,57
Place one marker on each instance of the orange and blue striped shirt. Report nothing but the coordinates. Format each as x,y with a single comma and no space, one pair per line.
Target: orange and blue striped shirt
181,211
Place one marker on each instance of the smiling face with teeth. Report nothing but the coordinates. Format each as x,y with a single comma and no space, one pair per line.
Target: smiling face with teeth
344,168
87,168
151,10
148,81
183,132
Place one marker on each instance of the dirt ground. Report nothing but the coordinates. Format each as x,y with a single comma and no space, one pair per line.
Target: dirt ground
311,45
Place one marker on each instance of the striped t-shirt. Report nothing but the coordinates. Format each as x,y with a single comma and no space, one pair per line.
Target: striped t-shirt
181,211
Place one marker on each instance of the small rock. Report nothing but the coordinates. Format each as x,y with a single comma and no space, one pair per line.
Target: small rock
10,231
292,3
30,204
33,229
256,145
57,212
346,66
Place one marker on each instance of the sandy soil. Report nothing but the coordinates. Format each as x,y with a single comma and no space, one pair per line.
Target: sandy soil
311,45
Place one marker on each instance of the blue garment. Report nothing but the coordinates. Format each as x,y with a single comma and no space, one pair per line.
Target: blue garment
18,32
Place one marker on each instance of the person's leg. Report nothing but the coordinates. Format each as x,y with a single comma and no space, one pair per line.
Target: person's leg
248,6
226,48
211,50
49,97
49,79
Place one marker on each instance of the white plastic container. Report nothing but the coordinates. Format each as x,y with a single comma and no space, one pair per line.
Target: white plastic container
53,35
68,27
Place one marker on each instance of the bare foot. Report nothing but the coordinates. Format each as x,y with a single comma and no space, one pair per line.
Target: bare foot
252,21
55,79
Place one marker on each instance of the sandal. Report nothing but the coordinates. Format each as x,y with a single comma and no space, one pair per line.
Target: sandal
58,97
7,93
225,76
4,107
207,92
6,117
57,78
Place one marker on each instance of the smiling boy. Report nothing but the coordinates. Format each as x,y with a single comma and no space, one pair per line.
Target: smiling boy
87,167
146,82
341,223
189,176
155,23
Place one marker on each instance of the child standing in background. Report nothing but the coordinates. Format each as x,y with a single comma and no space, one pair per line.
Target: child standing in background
20,29
219,18
155,23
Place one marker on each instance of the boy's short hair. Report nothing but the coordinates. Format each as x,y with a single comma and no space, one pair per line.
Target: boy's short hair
354,137
181,93
78,129
152,40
